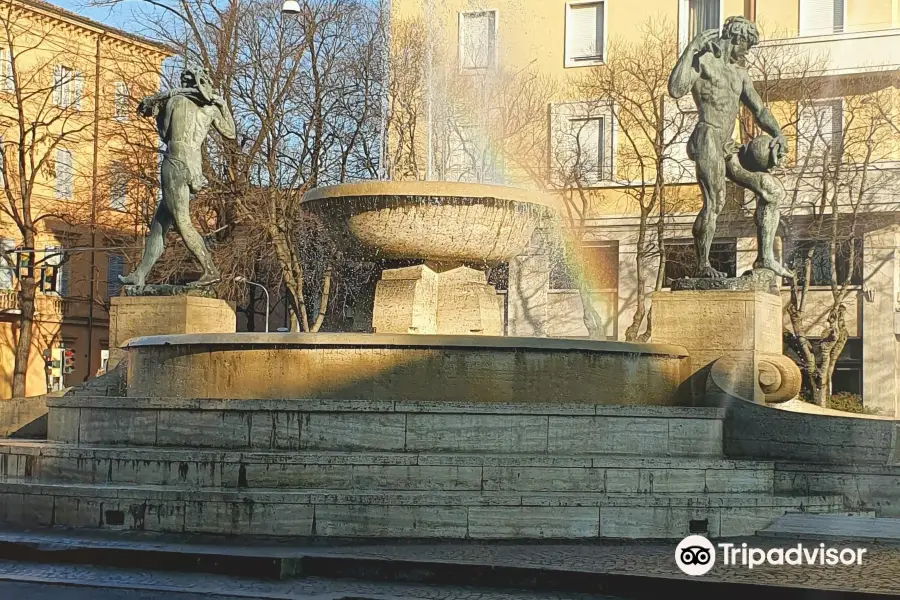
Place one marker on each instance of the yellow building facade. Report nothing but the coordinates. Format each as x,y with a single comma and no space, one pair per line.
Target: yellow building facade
530,94
79,172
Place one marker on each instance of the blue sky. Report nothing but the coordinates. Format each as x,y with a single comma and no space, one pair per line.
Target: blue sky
119,16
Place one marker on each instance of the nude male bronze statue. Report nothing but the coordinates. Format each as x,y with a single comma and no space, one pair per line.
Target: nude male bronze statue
712,69
183,116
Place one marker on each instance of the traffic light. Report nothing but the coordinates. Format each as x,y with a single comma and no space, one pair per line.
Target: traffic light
48,358
48,278
25,264
68,361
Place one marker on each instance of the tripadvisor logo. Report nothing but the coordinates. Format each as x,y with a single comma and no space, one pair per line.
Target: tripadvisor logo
696,555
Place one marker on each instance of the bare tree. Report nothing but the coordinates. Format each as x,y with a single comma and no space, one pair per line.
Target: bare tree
305,93
631,87
840,172
45,119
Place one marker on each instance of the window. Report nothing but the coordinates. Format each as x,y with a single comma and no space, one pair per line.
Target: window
118,187
7,264
461,156
6,75
121,101
64,174
115,266
68,87
53,257
478,40
703,15
821,17
820,128
681,259
848,368
582,143
597,263
587,135
818,253
585,33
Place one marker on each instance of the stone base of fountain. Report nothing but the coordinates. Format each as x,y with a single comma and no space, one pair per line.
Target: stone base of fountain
436,299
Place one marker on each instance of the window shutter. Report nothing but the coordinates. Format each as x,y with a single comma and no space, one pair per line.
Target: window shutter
821,17
63,174
7,264
58,85
807,128
585,31
7,83
115,266
121,101
62,281
77,90
118,187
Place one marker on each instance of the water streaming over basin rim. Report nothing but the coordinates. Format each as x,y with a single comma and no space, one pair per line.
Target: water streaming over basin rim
389,340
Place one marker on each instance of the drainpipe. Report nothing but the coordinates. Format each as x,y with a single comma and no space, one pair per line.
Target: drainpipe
94,190
750,9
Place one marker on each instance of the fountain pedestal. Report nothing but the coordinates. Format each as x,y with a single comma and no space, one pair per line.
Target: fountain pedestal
734,338
429,299
137,316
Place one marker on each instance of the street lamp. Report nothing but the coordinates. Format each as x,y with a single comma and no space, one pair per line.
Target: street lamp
290,7
242,279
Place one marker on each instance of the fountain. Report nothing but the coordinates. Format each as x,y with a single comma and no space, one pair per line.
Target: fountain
434,426
448,226
438,322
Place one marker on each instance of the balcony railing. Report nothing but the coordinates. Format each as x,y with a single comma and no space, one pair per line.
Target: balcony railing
44,306
846,53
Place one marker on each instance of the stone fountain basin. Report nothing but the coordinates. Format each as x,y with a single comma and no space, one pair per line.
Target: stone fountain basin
387,368
431,220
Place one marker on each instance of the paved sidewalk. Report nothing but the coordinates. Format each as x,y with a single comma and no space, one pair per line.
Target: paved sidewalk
561,566
98,583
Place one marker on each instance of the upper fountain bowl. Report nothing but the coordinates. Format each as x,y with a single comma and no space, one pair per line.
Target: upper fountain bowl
432,220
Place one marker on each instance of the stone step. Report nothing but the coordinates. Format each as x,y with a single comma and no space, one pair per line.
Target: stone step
387,426
338,513
191,468
835,527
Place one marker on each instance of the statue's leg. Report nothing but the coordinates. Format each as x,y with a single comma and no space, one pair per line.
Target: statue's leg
153,246
769,192
710,160
180,208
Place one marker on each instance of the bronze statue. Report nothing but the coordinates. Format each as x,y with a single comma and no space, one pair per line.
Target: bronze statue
712,69
183,118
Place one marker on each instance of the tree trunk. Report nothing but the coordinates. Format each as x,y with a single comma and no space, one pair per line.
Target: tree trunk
591,318
640,311
27,290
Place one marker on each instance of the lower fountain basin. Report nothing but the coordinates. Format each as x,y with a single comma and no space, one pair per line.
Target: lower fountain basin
403,367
